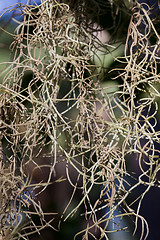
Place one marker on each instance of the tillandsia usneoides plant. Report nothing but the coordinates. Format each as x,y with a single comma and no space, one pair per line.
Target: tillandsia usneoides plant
60,125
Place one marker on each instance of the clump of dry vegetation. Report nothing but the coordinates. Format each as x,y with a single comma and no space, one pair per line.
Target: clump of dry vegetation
63,112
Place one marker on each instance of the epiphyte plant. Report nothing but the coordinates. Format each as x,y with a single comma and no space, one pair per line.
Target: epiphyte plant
58,119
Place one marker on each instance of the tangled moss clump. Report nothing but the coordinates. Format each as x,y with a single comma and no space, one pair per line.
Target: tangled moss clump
63,111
